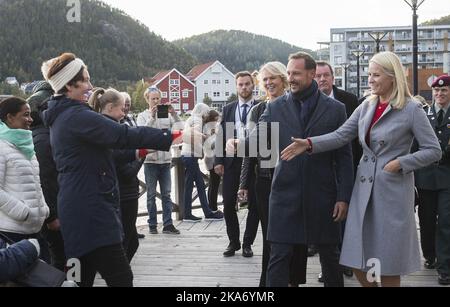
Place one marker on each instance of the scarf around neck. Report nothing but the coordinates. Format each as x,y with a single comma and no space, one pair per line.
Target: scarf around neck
304,95
20,138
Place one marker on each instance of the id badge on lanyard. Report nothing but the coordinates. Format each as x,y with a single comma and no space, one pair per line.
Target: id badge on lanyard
242,131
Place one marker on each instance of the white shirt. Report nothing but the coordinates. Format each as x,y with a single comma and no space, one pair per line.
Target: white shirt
239,115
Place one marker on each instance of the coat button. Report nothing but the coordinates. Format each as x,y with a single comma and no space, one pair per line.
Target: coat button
440,132
374,159
366,158
103,174
363,179
371,179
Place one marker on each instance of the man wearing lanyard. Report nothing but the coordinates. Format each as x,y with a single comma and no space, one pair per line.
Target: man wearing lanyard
433,184
235,115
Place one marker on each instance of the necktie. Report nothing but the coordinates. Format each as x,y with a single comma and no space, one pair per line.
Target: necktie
440,116
244,114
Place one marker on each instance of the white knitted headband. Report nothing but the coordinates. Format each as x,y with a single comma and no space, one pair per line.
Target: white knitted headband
64,76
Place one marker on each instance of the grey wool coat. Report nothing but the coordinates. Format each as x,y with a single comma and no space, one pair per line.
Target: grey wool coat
381,223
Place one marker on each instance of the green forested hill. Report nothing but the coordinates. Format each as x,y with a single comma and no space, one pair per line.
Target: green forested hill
237,50
113,45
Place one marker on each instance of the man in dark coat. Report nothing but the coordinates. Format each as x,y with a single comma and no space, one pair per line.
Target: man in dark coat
325,80
433,184
310,194
47,171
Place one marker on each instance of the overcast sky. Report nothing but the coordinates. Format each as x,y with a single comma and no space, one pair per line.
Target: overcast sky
297,22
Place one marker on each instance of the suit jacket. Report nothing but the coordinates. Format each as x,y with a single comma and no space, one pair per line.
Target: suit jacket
351,103
228,116
437,176
381,216
306,189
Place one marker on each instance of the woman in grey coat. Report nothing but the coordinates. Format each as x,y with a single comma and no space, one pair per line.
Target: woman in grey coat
381,236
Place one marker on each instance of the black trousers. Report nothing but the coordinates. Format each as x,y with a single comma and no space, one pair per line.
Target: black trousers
251,227
289,259
231,179
434,220
129,210
428,202
280,268
213,189
263,186
55,244
112,264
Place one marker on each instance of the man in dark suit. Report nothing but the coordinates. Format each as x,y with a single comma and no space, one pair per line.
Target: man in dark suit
433,184
310,194
233,125
325,80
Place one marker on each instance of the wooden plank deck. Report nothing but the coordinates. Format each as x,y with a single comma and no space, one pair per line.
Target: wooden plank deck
194,259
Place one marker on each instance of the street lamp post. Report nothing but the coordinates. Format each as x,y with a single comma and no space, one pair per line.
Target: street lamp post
345,66
415,4
358,54
377,37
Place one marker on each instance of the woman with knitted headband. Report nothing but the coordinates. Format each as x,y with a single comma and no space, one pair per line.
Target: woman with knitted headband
88,199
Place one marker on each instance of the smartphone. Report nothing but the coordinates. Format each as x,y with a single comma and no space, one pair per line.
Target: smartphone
163,111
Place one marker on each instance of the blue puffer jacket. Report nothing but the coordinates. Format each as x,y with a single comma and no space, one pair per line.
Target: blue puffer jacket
88,199
16,259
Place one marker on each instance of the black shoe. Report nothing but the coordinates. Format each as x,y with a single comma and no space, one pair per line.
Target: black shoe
444,279
247,252
430,264
231,249
320,277
171,230
347,271
192,219
141,236
153,230
312,251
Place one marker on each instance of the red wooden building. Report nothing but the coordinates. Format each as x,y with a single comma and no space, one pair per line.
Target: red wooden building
176,89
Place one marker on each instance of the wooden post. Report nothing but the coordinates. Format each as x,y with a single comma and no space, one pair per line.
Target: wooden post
179,184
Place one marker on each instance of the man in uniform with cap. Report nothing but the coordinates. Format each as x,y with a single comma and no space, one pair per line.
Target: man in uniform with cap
433,184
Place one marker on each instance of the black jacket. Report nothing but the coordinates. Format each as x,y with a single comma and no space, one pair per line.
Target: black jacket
351,104
47,169
252,166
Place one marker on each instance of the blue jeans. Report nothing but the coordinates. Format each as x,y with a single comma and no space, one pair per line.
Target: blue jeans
153,174
193,174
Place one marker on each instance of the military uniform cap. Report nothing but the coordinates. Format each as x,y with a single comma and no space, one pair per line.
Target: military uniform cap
441,81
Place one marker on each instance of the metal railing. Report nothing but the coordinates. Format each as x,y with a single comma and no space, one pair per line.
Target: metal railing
178,205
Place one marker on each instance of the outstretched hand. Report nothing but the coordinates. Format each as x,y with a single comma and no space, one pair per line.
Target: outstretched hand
298,147
231,146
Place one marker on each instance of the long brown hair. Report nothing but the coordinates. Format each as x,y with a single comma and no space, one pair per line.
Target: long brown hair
211,116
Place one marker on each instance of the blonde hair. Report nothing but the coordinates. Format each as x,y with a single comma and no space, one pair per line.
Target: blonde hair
149,90
126,96
100,98
391,65
275,69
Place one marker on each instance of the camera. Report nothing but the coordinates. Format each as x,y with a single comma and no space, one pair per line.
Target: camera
163,116
163,111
